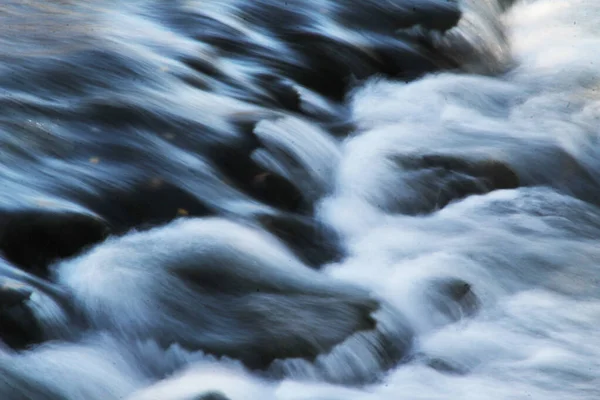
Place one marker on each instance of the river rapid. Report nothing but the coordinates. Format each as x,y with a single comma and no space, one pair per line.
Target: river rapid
302,199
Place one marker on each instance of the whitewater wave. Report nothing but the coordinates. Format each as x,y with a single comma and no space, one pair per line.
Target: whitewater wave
299,200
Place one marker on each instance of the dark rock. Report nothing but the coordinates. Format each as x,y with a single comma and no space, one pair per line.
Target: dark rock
362,360
145,205
281,92
13,293
242,172
494,174
212,396
32,239
382,16
444,366
453,298
19,327
326,65
438,180
314,243
250,304
32,309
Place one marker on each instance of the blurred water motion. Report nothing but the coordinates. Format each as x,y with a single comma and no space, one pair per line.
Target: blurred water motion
303,199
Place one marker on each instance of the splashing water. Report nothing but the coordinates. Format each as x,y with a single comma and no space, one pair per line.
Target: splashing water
309,199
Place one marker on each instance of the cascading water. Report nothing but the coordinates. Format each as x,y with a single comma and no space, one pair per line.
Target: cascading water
303,199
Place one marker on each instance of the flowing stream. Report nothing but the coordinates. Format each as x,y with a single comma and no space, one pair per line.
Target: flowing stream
302,199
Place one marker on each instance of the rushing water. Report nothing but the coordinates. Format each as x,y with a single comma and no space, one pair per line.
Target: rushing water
303,199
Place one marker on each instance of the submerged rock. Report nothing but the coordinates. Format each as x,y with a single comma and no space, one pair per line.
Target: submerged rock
431,182
211,396
313,242
453,299
31,310
216,286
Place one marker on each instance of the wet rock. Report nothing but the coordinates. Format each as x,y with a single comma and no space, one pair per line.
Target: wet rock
436,15
145,205
494,174
18,325
32,239
431,182
13,293
242,172
331,66
32,309
220,287
281,92
362,359
313,242
211,396
442,366
453,299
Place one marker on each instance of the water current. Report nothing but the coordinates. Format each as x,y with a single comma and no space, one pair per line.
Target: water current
301,199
